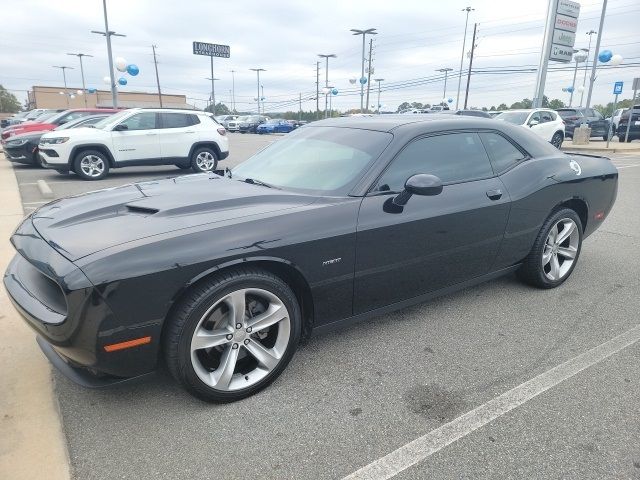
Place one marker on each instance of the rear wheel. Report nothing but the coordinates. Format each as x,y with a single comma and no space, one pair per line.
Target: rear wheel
204,159
232,335
91,165
557,139
555,252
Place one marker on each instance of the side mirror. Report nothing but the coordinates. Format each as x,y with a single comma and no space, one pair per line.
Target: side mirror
533,122
420,184
120,127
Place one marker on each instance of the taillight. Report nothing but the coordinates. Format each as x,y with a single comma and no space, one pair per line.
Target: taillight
222,131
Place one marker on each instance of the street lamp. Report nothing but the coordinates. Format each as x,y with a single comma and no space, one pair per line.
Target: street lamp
326,76
108,34
233,89
446,72
213,92
64,78
258,70
379,80
586,65
363,79
464,42
578,56
84,88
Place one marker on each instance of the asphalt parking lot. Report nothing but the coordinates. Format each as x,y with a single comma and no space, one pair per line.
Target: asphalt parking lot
349,398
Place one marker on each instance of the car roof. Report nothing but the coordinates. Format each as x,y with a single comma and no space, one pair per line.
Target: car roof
427,122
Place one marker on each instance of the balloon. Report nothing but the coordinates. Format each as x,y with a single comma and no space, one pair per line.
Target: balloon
72,96
616,60
564,89
604,56
363,80
121,64
581,88
450,100
334,91
570,89
122,81
91,90
79,92
133,70
107,80
352,80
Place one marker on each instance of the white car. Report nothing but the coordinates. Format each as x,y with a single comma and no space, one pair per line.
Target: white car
615,119
544,122
139,136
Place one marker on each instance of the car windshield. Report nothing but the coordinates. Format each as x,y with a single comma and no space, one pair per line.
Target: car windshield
252,118
568,113
108,122
517,118
320,160
45,116
242,118
80,122
274,121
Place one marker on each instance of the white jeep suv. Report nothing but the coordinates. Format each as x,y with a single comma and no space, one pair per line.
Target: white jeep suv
542,121
139,136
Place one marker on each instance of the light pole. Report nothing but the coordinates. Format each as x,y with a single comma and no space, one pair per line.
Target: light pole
64,78
233,89
592,79
379,80
586,65
370,31
464,43
84,88
578,56
326,76
213,92
446,72
108,34
258,70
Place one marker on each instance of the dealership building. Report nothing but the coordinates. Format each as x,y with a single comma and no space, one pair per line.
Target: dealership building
57,97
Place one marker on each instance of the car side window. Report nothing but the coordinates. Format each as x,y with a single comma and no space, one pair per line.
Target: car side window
597,114
174,120
193,119
502,152
454,157
141,121
535,116
546,117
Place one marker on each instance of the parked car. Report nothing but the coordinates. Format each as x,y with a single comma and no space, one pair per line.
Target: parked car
574,117
469,113
219,277
24,148
615,119
234,125
495,113
225,119
439,108
139,136
250,123
416,110
542,121
275,125
53,121
634,129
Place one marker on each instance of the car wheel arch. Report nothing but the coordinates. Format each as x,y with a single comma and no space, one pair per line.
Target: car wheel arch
578,205
283,269
92,146
212,145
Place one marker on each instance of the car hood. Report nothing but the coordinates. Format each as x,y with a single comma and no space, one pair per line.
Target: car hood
26,136
88,223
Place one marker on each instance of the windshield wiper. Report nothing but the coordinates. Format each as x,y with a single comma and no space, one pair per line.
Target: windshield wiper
255,181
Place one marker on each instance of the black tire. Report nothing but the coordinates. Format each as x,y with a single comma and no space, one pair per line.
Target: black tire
532,270
557,139
187,314
197,165
37,159
101,163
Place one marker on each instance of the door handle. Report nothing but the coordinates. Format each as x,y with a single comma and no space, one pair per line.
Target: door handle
495,194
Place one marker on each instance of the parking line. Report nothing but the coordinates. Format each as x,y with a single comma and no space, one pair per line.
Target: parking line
422,447
627,166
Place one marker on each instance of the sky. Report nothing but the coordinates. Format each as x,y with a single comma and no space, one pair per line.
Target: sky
415,38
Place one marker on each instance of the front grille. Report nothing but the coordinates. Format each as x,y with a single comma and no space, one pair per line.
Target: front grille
49,153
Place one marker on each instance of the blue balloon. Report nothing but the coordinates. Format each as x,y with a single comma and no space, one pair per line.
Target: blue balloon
450,100
334,91
91,90
122,81
570,89
363,80
605,56
133,70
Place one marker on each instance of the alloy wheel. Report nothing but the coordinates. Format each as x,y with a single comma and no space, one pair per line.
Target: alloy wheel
560,249
556,141
92,166
240,339
205,161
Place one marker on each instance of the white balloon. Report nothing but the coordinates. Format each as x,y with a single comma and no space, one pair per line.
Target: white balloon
61,93
72,96
79,92
616,60
580,88
121,64
444,100
107,80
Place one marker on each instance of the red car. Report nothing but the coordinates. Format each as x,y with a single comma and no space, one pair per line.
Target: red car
52,122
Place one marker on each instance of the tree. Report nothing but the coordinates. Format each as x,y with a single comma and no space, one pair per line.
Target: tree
8,101
404,106
522,104
502,106
556,104
607,110
221,109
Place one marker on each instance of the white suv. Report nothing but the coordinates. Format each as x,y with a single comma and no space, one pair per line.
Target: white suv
139,136
542,121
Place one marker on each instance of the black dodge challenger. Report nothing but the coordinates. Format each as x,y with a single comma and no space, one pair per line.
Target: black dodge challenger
222,275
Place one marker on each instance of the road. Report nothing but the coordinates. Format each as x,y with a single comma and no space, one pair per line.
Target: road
349,398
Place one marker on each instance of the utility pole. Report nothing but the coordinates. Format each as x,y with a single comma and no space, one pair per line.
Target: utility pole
300,107
108,34
233,90
592,79
258,70
464,43
326,76
155,62
262,98
369,71
578,56
586,66
64,78
213,91
317,90
473,47
379,80
446,72
84,88
370,31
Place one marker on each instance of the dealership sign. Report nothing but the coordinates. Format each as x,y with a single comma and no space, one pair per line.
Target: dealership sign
565,24
211,50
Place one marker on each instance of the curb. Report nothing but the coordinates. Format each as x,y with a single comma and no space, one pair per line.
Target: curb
45,189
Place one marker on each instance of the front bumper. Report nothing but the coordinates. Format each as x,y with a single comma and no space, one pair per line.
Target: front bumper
22,154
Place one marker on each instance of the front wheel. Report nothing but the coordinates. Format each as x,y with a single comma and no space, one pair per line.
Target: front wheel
91,165
555,251
204,160
557,139
232,335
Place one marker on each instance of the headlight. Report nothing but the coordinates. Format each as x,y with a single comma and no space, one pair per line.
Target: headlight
17,143
54,141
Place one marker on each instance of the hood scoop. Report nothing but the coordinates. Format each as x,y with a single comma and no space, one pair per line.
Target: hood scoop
139,210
